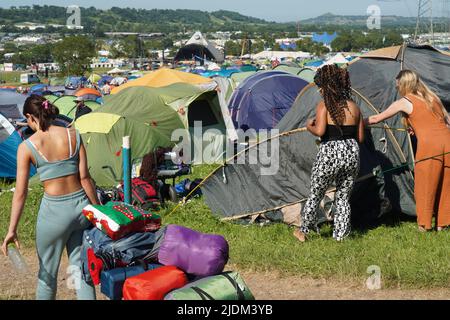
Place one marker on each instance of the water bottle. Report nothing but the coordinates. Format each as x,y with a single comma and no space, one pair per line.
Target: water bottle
17,260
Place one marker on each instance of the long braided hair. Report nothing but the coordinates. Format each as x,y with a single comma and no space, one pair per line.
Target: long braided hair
336,91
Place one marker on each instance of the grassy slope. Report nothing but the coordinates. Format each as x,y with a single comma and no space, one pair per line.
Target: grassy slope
407,259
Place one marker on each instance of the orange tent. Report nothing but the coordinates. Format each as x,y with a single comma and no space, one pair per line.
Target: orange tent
87,92
162,78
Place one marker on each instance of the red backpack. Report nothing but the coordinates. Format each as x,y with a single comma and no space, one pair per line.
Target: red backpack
142,192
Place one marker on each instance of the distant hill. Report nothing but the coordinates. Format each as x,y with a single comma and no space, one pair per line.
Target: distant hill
360,21
169,21
133,20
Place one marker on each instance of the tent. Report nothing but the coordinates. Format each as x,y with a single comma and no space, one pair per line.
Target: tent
307,74
67,105
9,143
387,148
104,80
94,78
51,97
314,63
11,104
278,191
304,73
238,77
88,93
116,71
73,83
383,65
118,81
264,98
199,47
164,77
149,116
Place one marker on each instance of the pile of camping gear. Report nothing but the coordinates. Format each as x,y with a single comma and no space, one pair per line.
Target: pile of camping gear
149,189
132,257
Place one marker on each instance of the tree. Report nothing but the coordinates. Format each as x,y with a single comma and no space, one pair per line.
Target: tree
74,55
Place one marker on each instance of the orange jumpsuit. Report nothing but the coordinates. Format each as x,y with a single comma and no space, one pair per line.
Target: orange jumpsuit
432,177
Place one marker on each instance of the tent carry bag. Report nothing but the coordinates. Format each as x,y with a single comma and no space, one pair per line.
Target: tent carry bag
154,284
226,286
112,281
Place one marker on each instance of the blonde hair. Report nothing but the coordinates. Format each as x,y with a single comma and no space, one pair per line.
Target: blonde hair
410,82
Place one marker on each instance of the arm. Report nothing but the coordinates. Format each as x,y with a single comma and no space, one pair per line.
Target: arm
20,195
361,133
401,105
318,126
85,177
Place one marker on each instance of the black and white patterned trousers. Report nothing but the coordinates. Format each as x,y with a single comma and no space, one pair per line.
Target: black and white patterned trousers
337,162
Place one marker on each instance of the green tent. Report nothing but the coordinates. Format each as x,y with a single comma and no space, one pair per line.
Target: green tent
307,74
51,97
66,105
149,116
238,77
289,69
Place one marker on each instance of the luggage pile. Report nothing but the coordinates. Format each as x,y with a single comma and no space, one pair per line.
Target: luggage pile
132,257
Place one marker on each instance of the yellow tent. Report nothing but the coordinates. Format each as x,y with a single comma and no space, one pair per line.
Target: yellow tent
93,78
162,78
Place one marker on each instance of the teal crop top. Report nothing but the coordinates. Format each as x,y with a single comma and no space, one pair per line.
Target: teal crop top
56,169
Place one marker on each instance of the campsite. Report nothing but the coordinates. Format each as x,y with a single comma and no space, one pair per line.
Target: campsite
201,161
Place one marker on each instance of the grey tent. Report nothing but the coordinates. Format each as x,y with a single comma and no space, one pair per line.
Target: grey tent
201,48
11,104
226,191
240,190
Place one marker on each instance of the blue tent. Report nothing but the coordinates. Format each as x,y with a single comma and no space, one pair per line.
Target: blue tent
324,38
72,83
104,80
9,143
264,98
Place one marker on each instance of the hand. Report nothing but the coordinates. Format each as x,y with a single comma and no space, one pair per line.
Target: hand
410,131
311,122
11,237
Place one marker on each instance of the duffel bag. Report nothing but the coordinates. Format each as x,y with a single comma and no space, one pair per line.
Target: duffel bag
226,286
112,281
193,252
154,284
118,219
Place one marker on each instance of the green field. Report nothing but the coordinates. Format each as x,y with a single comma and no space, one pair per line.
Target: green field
407,258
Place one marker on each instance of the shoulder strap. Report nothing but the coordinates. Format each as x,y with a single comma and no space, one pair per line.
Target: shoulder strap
203,294
38,157
78,138
239,292
70,142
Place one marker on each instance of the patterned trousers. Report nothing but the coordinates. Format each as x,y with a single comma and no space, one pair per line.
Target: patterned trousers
337,162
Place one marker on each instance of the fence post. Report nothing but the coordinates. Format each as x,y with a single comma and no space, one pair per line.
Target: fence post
126,156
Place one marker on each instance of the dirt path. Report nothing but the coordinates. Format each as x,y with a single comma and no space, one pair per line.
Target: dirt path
265,286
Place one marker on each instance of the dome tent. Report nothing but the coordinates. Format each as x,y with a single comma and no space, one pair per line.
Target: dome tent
149,116
264,98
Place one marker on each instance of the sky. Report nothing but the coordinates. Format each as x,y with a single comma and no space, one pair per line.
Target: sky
272,10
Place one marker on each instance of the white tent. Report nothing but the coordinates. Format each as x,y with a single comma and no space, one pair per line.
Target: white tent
116,71
337,59
199,46
269,55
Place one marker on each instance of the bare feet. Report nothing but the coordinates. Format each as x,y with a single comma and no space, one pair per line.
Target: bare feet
443,228
299,235
422,229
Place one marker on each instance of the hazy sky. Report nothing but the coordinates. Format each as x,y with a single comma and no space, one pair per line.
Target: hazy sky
273,10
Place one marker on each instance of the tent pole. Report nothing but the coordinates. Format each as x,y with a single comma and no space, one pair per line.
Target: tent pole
126,169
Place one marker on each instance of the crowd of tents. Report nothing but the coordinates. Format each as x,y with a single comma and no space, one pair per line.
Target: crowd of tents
151,107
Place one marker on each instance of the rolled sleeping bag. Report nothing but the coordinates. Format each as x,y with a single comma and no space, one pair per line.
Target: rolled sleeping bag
193,252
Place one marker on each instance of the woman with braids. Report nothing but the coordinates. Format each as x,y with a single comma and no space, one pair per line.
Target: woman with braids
431,124
60,159
340,125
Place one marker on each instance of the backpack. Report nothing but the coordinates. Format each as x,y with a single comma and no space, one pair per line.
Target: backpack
143,194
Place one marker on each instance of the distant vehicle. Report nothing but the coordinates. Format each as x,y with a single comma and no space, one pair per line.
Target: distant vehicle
27,78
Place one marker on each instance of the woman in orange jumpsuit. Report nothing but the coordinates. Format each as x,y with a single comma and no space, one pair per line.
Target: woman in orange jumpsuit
431,124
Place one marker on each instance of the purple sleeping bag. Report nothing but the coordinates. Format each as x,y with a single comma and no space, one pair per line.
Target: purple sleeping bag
193,252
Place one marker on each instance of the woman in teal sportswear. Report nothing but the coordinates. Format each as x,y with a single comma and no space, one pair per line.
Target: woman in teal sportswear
60,158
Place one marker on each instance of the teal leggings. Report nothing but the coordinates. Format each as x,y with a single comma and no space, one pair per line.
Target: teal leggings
60,225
